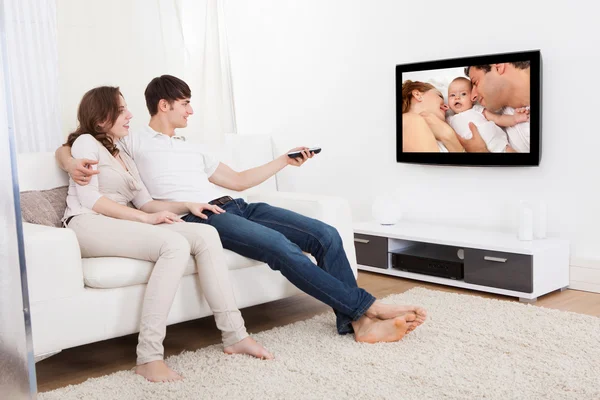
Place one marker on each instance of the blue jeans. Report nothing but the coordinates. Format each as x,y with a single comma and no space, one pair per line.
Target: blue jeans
278,237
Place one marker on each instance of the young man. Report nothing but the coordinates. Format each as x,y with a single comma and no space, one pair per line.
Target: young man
177,170
502,88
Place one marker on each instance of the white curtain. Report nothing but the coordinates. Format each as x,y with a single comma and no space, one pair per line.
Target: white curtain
217,87
208,68
33,71
17,369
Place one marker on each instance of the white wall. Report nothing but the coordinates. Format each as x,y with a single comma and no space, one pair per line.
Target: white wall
116,43
322,73
126,43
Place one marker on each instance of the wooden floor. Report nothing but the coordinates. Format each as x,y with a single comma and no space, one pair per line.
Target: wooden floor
73,366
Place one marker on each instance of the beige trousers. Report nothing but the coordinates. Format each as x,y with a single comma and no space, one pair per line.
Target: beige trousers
169,246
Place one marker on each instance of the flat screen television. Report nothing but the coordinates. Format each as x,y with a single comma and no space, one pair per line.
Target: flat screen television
483,110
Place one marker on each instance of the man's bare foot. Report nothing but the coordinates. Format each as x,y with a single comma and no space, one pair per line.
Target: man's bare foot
249,346
373,330
388,311
157,371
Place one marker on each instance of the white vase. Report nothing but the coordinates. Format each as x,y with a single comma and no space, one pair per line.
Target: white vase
385,211
525,221
539,221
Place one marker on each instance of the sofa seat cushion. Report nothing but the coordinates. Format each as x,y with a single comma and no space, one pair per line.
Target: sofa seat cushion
115,272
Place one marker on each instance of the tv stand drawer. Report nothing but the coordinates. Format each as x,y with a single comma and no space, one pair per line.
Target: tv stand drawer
371,251
508,271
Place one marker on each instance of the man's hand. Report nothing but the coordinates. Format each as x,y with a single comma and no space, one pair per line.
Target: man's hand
298,161
80,170
197,208
476,143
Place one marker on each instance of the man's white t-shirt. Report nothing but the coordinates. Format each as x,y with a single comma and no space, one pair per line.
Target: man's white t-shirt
172,168
518,135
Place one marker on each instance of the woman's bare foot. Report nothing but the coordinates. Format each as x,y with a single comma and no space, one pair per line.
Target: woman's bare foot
373,330
157,371
249,346
388,311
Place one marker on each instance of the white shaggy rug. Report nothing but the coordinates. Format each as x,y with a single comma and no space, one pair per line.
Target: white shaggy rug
469,348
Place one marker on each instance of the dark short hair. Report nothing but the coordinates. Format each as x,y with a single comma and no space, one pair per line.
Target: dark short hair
165,87
488,67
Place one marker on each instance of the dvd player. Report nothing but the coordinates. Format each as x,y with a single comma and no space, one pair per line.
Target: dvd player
430,259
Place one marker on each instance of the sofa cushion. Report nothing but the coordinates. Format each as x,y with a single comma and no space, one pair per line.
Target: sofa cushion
44,207
115,272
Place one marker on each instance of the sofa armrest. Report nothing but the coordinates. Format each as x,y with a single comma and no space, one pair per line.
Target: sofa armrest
332,210
53,262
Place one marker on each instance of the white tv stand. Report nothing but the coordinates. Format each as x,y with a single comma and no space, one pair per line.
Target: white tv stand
493,262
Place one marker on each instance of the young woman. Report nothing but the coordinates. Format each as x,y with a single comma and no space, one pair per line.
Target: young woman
424,128
106,226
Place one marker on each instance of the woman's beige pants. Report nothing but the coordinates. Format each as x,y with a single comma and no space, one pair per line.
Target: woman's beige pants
169,246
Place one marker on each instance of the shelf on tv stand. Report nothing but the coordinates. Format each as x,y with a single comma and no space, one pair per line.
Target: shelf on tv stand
542,264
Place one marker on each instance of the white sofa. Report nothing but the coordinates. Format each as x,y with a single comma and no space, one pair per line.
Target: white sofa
74,301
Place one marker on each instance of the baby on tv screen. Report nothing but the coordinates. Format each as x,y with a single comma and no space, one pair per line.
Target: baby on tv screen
483,110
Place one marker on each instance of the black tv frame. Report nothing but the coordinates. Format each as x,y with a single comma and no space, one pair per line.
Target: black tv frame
533,158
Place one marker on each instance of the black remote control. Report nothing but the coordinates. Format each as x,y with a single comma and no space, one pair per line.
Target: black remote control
295,154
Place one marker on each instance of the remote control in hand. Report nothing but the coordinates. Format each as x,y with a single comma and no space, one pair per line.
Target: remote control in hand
296,154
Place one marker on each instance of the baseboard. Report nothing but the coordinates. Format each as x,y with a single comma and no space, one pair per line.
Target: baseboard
584,286
585,263
585,275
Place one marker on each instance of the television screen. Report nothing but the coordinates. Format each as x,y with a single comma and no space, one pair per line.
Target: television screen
483,110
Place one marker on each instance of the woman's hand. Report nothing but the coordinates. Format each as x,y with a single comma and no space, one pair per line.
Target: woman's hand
197,208
441,130
162,217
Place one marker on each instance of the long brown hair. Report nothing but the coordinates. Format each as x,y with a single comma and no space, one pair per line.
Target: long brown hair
98,105
407,88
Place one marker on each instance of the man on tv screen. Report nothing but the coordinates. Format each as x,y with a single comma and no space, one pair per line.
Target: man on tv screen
489,112
504,89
